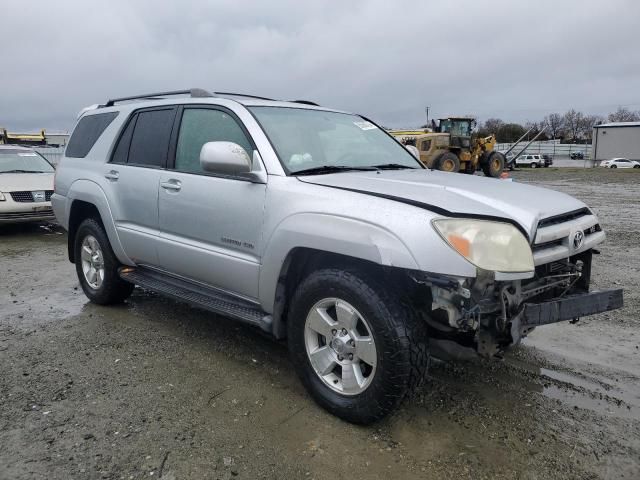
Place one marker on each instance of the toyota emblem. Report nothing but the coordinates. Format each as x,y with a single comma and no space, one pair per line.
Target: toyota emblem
578,238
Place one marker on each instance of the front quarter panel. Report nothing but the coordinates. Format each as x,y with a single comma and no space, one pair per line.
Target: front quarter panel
387,233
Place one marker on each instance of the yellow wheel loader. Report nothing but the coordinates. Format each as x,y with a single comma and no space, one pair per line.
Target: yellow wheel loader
451,149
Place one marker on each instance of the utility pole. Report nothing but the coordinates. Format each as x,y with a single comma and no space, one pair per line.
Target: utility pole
426,110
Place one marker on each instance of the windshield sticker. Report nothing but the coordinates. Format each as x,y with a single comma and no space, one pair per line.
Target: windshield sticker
28,154
365,125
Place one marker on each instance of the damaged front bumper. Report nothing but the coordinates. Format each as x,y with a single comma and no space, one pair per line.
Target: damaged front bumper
488,316
571,307
556,310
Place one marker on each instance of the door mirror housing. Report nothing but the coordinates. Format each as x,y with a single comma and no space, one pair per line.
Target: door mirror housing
227,158
413,151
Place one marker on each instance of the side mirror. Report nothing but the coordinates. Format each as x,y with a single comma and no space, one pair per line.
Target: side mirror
413,150
224,157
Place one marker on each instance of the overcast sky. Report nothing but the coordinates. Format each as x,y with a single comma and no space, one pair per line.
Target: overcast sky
385,59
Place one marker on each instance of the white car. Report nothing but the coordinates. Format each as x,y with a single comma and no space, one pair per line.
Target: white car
26,185
533,161
620,163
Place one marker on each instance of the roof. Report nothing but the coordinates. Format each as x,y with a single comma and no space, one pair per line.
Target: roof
205,96
618,124
197,96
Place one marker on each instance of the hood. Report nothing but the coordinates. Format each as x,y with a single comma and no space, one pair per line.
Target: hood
458,194
16,182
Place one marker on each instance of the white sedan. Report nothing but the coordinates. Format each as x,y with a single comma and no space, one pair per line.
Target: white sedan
620,163
26,185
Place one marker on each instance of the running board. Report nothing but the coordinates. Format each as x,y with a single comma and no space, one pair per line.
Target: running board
209,299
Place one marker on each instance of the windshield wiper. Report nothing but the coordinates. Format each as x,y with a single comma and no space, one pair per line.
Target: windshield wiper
393,166
20,171
331,169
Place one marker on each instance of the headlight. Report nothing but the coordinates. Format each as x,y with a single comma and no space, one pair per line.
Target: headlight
2,197
494,246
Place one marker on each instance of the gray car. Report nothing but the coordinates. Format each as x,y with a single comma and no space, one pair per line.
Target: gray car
317,227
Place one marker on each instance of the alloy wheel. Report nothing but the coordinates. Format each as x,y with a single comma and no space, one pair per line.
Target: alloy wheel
92,262
340,346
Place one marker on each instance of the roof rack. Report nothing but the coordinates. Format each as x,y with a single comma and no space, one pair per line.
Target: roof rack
193,92
305,102
231,94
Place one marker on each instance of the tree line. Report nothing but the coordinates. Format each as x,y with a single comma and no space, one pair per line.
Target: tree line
570,127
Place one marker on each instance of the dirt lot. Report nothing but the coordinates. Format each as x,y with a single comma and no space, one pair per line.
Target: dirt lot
155,389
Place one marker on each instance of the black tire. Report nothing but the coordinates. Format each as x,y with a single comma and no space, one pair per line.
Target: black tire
494,164
613,166
636,166
112,289
447,162
400,337
534,165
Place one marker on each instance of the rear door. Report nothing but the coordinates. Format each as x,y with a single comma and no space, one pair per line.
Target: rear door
132,178
210,225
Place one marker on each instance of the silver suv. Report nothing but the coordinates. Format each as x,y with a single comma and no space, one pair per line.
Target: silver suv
317,226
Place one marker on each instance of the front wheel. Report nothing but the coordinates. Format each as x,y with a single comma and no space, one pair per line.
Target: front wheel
447,162
636,166
494,164
613,166
357,348
534,165
97,265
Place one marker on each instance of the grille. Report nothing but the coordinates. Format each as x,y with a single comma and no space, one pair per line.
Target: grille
556,237
26,196
22,196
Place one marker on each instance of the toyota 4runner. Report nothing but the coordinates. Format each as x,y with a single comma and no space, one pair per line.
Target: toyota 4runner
318,227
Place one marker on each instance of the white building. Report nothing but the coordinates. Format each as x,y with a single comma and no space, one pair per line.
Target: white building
617,139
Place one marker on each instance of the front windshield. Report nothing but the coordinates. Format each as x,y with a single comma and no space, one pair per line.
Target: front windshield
305,139
23,161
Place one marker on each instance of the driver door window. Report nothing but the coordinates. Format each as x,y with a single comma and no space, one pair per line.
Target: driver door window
199,126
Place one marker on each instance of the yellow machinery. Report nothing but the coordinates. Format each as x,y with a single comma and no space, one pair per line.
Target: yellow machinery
23,138
451,149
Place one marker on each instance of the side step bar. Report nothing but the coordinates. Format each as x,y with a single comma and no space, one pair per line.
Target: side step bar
209,299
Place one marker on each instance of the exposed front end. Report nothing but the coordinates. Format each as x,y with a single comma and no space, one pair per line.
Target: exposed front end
492,312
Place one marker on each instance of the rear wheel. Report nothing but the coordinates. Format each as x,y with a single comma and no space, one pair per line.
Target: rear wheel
356,347
613,166
534,165
636,166
447,162
97,265
494,164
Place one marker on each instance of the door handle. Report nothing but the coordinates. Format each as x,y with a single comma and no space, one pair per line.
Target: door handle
112,175
173,185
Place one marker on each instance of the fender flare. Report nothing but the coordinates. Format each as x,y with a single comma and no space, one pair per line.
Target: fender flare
91,192
332,234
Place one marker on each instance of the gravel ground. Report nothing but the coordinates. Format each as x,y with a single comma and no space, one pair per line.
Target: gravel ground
156,389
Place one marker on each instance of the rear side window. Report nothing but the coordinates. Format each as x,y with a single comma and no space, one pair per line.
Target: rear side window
87,132
150,139
121,152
